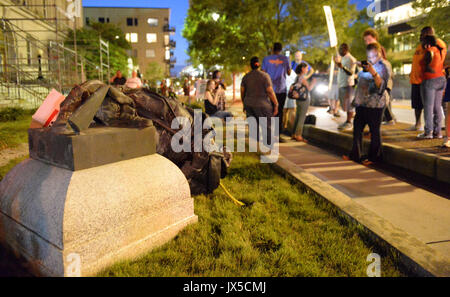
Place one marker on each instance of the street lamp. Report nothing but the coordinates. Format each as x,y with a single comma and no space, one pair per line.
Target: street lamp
215,16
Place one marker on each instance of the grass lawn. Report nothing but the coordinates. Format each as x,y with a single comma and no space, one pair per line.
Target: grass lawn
13,133
281,232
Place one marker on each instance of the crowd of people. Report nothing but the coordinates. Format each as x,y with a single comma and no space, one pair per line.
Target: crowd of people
364,91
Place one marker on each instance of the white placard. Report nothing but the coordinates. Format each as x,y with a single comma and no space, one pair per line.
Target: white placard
330,25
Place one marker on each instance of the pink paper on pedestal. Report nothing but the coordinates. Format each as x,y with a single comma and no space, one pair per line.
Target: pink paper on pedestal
49,110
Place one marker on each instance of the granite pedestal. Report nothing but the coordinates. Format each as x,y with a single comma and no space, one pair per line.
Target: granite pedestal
70,222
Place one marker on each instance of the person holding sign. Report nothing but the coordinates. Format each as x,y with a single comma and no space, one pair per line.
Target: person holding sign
371,98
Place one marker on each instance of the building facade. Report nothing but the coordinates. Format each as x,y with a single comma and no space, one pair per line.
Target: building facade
32,56
147,29
396,14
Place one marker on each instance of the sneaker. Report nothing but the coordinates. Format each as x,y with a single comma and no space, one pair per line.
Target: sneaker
345,126
337,115
425,136
391,122
438,136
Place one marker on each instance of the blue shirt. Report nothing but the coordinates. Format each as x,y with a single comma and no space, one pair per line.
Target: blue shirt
294,65
277,67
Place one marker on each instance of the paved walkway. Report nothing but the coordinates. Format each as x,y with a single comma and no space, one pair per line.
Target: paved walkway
394,134
420,213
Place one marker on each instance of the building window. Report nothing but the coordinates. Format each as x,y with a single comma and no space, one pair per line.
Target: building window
28,52
101,20
151,37
107,20
150,53
87,21
152,22
132,53
167,54
132,22
166,40
131,37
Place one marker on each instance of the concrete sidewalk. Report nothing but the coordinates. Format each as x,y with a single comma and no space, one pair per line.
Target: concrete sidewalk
412,211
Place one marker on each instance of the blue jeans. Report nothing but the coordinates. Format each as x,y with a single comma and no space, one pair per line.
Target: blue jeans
300,116
432,91
222,114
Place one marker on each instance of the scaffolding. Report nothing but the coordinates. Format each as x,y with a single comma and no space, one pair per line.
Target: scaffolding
33,52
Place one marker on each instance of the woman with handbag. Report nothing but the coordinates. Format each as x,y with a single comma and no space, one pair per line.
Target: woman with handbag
299,91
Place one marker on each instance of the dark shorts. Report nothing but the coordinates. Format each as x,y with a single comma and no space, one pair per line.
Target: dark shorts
416,98
447,91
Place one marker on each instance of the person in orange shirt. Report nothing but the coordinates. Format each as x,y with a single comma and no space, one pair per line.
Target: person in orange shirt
416,77
432,87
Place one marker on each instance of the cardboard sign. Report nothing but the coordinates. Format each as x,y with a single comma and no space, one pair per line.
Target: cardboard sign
200,89
49,110
330,25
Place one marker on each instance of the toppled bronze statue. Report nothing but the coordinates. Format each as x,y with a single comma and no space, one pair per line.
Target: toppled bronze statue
94,103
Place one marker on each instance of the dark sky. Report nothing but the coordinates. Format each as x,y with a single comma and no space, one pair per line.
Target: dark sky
178,14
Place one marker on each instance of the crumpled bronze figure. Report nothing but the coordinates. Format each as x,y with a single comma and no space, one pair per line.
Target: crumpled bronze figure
139,108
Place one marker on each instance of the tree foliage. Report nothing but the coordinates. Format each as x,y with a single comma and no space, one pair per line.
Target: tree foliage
250,27
435,13
154,72
88,45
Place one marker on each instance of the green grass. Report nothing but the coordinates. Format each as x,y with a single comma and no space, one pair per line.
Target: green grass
6,168
13,133
281,232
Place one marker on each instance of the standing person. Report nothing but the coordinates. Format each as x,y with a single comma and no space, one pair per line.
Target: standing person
134,82
302,105
277,66
118,79
371,98
346,82
290,105
432,87
447,113
416,77
371,36
163,88
187,90
258,97
298,59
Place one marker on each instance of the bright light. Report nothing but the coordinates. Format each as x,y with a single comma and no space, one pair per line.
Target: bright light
322,89
117,36
215,16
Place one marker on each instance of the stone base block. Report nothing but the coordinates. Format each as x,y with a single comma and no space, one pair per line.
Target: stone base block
70,223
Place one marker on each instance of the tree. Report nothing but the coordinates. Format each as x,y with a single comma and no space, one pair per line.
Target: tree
154,72
250,27
433,13
88,47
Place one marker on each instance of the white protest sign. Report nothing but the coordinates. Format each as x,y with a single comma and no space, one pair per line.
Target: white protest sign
200,89
330,25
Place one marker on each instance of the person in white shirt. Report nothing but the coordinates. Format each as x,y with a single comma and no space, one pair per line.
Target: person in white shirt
346,82
134,82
